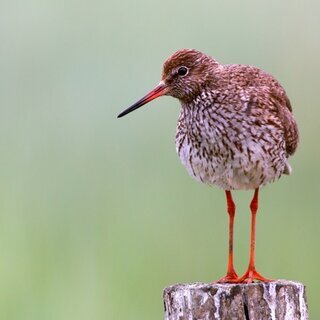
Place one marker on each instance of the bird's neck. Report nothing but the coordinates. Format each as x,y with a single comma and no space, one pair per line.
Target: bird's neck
192,117
202,100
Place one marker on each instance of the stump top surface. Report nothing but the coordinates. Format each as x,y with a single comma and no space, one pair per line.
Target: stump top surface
205,286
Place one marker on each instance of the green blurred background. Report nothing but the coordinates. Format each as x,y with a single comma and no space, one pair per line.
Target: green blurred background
97,215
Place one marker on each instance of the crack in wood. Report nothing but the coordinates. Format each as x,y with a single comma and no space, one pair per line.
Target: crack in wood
246,311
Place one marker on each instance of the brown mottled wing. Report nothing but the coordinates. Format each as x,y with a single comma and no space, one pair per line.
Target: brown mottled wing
276,97
291,133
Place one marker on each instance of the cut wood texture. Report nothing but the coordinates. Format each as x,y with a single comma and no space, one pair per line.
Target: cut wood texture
276,300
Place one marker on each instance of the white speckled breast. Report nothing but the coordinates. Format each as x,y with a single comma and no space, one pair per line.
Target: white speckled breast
230,150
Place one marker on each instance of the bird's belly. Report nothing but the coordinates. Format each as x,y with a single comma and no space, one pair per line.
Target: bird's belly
245,170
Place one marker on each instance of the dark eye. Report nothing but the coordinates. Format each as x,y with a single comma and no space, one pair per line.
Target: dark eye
182,71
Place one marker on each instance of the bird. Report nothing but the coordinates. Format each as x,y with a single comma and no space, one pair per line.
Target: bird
236,131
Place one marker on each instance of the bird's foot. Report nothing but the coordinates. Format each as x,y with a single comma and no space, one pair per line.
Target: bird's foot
230,277
251,275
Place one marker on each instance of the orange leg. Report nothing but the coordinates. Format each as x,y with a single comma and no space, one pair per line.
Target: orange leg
231,275
251,274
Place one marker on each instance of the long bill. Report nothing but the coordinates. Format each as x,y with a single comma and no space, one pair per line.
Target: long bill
158,91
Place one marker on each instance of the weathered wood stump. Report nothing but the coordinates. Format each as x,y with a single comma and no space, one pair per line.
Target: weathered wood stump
277,300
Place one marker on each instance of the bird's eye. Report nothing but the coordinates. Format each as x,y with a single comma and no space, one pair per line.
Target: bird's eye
182,71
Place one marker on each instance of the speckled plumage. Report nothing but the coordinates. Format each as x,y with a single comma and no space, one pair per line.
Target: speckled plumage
236,128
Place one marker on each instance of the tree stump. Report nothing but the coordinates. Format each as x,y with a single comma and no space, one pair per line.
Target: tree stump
276,300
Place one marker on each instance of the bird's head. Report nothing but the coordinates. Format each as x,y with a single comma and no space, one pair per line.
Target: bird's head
184,75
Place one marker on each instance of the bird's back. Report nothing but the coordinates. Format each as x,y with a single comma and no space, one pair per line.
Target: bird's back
262,83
